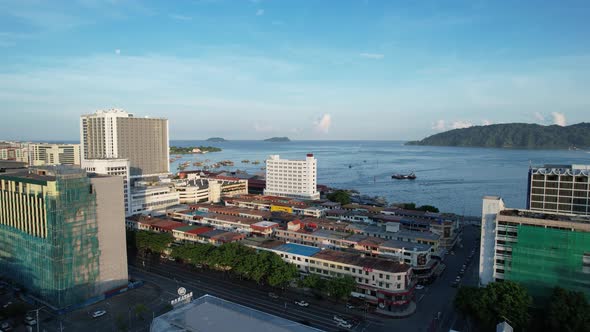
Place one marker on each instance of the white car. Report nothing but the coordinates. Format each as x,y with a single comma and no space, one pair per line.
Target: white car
98,313
340,319
30,321
273,296
302,303
345,325
419,287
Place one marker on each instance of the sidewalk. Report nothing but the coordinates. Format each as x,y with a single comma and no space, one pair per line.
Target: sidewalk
409,311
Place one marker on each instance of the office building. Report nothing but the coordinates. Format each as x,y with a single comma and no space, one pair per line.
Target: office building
62,234
114,167
292,178
115,134
14,151
54,154
559,188
540,250
152,198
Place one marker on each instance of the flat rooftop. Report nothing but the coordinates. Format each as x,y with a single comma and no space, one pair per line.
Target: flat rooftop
356,259
298,249
212,314
545,216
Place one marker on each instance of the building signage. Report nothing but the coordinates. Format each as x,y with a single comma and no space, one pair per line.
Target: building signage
279,208
182,296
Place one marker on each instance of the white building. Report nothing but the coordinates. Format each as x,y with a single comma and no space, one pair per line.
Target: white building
292,178
54,154
115,167
152,198
559,188
114,134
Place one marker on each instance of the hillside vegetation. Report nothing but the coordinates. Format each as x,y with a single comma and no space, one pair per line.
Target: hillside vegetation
513,135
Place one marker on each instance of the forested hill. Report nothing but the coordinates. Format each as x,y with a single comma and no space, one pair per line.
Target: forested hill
513,135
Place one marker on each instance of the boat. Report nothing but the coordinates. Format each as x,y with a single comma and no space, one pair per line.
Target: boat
255,162
410,176
245,161
349,166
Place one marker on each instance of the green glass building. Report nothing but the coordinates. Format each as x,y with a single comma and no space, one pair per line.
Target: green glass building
50,233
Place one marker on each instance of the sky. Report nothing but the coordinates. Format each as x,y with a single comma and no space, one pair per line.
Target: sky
377,70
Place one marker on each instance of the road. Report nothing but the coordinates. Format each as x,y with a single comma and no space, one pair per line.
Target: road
171,275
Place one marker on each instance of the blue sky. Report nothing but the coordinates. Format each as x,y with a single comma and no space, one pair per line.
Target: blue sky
304,69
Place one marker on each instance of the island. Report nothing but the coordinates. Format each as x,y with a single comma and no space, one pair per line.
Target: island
514,135
278,139
216,139
193,149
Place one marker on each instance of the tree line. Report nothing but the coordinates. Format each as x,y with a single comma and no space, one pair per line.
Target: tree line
565,310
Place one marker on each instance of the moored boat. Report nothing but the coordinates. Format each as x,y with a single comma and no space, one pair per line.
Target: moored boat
410,176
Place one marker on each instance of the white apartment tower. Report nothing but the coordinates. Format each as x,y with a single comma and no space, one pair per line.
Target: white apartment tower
292,178
54,154
116,134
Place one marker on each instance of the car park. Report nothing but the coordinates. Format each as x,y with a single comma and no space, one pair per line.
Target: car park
302,303
98,313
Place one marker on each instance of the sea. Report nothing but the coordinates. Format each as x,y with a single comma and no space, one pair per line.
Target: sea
454,179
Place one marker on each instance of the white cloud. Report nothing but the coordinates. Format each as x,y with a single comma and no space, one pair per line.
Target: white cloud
439,125
559,119
260,12
374,56
180,17
486,122
324,123
461,124
539,117
117,51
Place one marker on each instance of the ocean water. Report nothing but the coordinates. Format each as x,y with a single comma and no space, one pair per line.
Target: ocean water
451,178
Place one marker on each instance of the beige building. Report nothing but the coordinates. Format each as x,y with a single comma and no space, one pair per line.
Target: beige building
118,134
54,154
114,167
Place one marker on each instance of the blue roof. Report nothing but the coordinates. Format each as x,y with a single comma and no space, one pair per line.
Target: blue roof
298,249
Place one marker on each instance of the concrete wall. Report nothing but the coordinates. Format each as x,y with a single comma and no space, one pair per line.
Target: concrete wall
491,207
110,215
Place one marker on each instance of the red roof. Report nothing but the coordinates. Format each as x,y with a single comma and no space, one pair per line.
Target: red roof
168,225
200,230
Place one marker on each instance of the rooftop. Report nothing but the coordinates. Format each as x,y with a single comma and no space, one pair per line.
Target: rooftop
362,261
397,244
212,314
298,249
545,216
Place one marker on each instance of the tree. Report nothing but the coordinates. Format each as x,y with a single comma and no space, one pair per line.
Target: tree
339,196
152,242
314,281
340,288
567,311
495,303
140,309
428,208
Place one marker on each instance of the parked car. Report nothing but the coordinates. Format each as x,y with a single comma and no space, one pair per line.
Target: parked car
6,326
345,325
349,306
419,287
30,321
339,319
98,313
302,303
273,295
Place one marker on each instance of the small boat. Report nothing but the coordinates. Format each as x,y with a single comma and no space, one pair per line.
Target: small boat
349,166
255,162
410,176
245,161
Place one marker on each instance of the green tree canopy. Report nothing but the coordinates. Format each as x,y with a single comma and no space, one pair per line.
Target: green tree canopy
568,311
152,242
340,287
497,302
339,196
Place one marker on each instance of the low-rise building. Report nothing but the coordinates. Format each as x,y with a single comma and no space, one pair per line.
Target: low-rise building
152,198
387,283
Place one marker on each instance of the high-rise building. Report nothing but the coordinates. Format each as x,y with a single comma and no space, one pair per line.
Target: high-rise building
115,134
54,154
62,233
539,250
114,167
292,178
559,188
